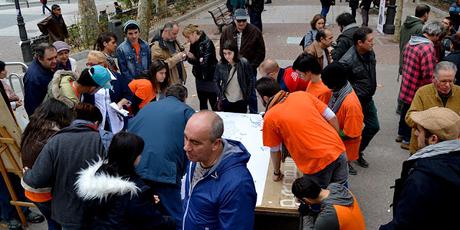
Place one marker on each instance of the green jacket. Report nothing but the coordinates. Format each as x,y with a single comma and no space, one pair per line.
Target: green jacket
411,26
427,97
60,88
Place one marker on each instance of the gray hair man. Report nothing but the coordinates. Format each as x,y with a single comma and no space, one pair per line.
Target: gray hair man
441,93
166,48
218,181
419,61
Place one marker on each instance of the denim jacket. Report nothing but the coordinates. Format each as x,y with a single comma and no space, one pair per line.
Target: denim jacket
127,61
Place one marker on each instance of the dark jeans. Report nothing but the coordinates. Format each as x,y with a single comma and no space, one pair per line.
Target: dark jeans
170,200
325,10
253,97
45,209
44,6
335,172
404,130
235,107
371,123
204,97
353,12
256,18
8,211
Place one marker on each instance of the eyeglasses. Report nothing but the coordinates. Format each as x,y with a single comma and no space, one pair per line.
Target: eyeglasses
241,21
446,81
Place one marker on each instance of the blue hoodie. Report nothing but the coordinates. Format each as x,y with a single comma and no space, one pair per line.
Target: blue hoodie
225,197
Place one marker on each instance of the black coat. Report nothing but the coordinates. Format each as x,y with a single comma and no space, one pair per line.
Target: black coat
454,57
128,212
245,76
257,5
364,78
203,48
344,41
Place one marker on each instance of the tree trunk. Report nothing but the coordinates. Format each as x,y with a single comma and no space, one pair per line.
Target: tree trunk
399,11
144,14
89,29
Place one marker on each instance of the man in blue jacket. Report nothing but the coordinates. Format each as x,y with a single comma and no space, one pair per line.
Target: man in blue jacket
38,76
219,189
133,54
161,124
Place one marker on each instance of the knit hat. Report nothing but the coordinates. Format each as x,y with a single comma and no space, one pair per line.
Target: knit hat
101,76
60,46
240,14
130,23
443,122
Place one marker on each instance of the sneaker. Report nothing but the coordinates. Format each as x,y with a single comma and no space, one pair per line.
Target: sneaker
399,139
363,163
351,170
14,225
35,218
405,145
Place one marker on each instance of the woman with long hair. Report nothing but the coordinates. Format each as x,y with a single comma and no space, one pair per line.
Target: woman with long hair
107,43
150,86
234,79
202,56
47,120
317,23
118,197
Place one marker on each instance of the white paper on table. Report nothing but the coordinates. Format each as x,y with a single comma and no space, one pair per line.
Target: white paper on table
247,129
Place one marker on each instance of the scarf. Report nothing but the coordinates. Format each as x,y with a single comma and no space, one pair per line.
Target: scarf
338,97
278,98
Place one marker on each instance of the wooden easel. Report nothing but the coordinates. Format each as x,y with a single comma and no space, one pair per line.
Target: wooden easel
10,155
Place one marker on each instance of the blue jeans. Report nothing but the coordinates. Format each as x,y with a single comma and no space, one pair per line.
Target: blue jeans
170,200
325,10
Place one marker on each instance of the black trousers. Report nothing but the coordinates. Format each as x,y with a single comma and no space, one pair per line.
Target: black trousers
204,97
235,107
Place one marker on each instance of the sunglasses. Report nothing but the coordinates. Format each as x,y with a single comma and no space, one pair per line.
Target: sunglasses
240,21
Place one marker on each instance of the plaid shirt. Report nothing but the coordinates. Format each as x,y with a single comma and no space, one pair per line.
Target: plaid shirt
418,66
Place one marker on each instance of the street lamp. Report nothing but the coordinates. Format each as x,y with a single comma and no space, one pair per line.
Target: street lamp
25,42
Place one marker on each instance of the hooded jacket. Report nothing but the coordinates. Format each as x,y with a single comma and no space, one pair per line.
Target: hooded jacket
411,26
419,61
429,197
340,210
225,197
118,202
57,165
60,88
344,41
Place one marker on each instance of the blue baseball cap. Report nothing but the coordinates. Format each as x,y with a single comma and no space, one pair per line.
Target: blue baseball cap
101,76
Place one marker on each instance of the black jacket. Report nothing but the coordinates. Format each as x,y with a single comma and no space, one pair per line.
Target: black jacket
57,165
454,57
117,202
363,80
344,41
245,76
252,43
427,194
203,49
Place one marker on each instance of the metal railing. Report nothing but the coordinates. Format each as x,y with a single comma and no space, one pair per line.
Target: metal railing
19,76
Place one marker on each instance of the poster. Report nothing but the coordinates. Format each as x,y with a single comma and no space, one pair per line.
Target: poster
381,18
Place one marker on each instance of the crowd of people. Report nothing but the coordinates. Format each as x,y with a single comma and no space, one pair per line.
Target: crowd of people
110,147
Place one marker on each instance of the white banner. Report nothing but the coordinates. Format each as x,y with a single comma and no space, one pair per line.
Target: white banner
381,17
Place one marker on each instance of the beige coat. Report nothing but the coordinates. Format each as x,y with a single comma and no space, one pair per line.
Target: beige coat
316,50
427,97
161,52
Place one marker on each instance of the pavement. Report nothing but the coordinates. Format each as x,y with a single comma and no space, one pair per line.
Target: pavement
285,22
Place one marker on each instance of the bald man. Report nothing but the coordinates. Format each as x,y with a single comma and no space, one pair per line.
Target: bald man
218,181
286,78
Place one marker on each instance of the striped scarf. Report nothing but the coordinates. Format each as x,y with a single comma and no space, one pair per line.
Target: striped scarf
279,97
338,96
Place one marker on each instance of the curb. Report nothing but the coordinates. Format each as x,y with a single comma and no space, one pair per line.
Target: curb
23,4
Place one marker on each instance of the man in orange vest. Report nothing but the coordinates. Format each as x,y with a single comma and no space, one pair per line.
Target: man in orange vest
339,208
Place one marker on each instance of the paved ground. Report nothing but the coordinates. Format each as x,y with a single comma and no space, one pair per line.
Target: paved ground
284,22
